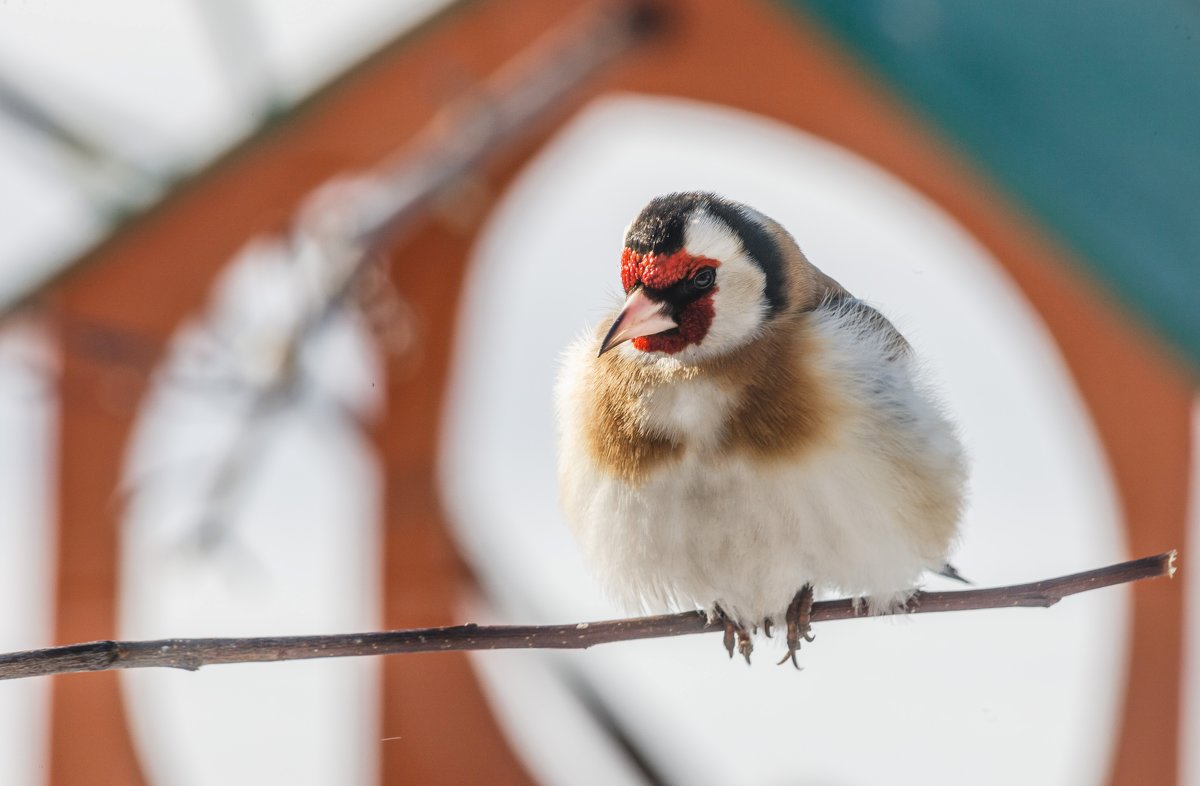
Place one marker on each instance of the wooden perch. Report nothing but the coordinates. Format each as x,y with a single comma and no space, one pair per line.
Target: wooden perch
191,654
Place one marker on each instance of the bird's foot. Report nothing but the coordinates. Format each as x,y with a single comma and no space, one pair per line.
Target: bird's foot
799,623
734,632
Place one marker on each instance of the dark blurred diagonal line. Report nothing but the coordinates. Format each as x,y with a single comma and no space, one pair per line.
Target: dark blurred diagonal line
353,222
27,111
507,108
637,753
74,143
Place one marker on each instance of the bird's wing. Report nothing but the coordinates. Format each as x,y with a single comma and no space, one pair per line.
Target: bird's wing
870,319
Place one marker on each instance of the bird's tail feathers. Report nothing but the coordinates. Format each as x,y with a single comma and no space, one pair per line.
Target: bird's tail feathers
951,572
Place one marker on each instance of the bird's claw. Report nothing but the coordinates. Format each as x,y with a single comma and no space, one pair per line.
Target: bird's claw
799,623
736,636
745,645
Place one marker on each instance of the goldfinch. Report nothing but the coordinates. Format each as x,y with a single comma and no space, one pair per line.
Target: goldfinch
744,432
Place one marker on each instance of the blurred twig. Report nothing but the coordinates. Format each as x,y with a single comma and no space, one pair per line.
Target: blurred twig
191,654
108,174
353,221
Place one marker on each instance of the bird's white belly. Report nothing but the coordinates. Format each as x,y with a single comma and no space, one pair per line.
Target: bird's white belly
749,535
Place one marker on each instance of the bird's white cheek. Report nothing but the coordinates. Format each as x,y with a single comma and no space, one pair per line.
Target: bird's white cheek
738,314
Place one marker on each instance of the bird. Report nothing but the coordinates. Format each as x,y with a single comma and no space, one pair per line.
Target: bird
742,433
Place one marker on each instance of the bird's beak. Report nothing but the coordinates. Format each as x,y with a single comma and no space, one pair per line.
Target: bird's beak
640,316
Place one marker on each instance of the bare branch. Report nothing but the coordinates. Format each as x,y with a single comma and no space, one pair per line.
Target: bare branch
191,654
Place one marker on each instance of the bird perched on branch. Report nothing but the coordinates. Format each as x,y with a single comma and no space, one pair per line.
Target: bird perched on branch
744,432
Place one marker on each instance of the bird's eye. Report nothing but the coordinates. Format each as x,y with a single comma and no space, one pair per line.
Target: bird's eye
704,278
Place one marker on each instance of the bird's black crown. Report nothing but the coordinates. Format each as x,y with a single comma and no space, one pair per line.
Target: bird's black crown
658,229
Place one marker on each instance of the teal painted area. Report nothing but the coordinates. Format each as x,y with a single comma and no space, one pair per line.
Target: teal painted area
1087,111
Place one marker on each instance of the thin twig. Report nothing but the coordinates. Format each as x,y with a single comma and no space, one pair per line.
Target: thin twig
191,654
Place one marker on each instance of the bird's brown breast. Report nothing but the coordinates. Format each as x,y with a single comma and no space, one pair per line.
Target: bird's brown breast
617,435
781,405
785,404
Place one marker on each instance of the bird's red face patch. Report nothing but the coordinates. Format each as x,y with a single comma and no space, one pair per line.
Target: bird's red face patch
657,272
